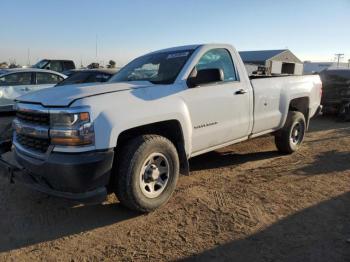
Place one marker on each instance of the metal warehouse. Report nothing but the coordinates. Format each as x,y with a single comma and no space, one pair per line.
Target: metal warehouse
275,62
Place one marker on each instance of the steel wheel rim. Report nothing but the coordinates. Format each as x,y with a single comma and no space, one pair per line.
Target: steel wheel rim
154,175
297,134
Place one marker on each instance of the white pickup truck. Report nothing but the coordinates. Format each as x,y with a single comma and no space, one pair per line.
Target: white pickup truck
134,135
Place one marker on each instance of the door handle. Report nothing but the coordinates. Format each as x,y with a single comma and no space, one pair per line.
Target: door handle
241,92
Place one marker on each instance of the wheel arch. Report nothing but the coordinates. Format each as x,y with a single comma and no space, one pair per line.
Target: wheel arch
302,105
171,129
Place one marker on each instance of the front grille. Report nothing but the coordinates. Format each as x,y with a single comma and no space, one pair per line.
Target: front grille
34,118
32,125
33,143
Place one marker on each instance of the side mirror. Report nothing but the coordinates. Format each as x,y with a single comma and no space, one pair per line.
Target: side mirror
205,76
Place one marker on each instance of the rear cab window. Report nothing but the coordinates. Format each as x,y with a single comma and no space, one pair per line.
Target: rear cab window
68,65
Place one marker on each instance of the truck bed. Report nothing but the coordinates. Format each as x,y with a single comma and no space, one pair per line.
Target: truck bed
272,96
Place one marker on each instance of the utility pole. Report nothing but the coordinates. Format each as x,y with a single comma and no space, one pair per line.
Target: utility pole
96,49
339,56
28,57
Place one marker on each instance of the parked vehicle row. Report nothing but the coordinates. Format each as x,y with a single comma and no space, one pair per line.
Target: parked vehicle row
336,92
83,76
134,134
17,82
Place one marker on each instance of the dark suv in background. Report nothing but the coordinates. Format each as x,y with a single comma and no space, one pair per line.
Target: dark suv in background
336,92
61,66
84,76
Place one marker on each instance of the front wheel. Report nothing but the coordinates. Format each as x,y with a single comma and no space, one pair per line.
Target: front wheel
147,173
290,137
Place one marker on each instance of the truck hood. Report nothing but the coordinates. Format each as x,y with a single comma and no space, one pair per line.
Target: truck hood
63,96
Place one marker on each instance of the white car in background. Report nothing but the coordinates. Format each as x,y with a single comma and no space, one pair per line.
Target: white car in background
21,81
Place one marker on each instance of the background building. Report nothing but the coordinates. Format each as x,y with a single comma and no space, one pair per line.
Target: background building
276,62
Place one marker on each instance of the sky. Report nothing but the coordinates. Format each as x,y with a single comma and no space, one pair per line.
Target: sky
124,29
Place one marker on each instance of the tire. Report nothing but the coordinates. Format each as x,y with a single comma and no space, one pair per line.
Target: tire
290,137
141,173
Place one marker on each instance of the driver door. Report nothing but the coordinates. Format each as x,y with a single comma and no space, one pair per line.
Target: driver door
220,112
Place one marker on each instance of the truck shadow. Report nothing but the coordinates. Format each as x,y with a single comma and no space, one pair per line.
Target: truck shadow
217,159
324,123
33,218
318,233
327,163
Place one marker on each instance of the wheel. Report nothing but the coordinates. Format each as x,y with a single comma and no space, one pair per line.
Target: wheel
147,173
291,136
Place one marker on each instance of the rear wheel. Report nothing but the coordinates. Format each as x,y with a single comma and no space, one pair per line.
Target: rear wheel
291,136
147,173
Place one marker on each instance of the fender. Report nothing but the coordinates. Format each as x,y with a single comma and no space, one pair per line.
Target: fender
136,108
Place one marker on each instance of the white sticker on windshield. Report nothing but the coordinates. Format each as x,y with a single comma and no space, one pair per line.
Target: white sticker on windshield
176,55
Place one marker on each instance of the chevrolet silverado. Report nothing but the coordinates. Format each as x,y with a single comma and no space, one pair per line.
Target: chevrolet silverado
134,134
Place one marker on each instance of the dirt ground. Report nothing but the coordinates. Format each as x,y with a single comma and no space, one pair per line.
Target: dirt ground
242,203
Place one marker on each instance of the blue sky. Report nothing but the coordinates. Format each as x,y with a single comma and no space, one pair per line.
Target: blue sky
312,29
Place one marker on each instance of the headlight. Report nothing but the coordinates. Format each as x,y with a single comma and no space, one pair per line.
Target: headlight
71,129
68,119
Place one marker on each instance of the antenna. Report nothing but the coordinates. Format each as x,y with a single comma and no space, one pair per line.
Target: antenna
338,57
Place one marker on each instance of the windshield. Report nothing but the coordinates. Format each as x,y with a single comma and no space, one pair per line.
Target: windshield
158,68
41,64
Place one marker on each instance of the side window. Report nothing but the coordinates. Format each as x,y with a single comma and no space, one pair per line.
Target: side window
218,58
102,77
68,65
55,66
16,79
47,78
